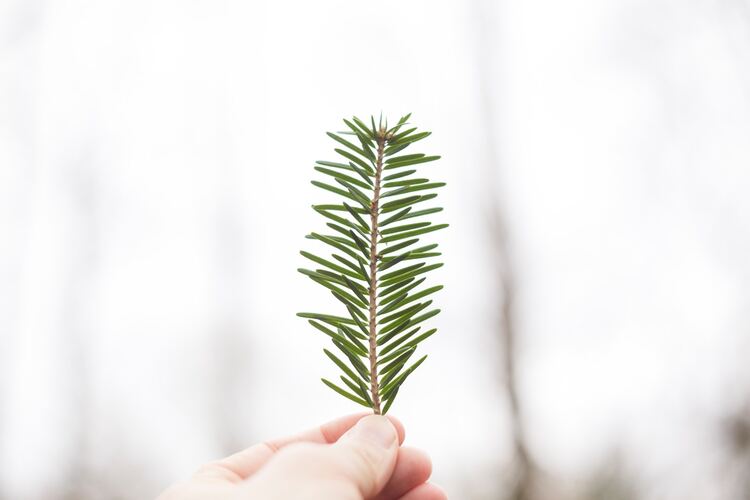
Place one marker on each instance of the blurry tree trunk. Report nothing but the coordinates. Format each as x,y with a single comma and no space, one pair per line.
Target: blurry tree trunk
524,473
524,470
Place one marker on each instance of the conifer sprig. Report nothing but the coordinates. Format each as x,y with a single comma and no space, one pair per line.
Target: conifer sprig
376,269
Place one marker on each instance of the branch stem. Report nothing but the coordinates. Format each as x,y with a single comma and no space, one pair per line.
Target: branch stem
374,207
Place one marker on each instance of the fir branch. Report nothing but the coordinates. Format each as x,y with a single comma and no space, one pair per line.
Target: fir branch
386,320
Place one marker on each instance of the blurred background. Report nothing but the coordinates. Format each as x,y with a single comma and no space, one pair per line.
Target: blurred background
155,159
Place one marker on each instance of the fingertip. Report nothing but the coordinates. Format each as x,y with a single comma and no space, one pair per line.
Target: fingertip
424,461
435,492
413,468
417,463
426,491
399,428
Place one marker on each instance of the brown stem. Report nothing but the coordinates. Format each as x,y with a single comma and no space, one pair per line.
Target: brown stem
374,388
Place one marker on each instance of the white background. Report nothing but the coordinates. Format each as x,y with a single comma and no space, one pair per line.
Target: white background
155,159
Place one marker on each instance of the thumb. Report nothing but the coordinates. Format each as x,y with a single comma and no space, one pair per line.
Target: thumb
370,448
356,467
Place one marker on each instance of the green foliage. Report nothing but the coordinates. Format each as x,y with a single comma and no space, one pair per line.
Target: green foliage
376,270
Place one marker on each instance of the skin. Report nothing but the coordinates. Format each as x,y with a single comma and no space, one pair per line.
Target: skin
356,457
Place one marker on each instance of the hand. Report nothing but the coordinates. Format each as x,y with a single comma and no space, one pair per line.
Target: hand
352,458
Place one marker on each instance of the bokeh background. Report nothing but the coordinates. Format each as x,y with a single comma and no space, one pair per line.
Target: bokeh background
155,159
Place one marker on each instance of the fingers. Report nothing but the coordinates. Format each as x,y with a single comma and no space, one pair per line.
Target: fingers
356,467
413,468
355,476
425,491
245,463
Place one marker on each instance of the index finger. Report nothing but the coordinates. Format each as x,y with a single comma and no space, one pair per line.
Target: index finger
243,464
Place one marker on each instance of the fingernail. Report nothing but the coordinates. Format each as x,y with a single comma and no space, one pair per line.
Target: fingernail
375,429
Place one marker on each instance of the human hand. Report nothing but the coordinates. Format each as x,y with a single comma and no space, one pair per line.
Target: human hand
352,458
